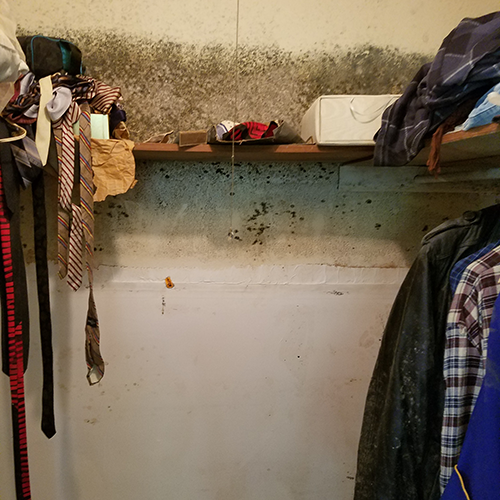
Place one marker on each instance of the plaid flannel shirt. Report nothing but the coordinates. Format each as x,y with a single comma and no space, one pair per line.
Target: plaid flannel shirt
467,334
466,65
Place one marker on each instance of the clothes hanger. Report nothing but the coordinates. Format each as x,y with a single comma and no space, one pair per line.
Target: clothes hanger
18,137
231,233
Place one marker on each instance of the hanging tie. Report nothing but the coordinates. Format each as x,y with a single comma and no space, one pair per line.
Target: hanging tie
16,365
29,167
65,143
75,249
43,121
95,363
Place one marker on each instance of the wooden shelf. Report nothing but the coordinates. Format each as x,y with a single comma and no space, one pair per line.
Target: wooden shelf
278,152
480,145
472,146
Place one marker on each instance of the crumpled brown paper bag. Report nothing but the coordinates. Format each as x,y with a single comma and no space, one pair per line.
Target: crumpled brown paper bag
114,167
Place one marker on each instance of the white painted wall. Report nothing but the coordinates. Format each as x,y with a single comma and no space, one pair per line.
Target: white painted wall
235,384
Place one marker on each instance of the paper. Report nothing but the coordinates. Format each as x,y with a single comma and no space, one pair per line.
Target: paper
99,126
114,167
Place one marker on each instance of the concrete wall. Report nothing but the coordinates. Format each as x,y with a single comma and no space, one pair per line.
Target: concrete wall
247,379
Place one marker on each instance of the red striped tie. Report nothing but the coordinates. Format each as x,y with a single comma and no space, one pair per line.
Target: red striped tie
15,359
105,97
75,249
65,142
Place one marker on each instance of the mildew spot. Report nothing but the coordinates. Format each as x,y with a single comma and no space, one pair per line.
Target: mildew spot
168,85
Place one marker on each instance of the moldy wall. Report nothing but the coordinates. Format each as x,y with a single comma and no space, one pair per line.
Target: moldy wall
247,379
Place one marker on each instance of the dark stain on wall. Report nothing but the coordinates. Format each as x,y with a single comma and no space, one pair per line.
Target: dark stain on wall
282,212
168,85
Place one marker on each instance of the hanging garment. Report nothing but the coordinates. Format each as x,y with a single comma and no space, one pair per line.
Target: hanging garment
44,313
65,141
466,65
461,265
477,474
14,313
399,449
30,172
23,107
82,88
95,363
11,201
466,349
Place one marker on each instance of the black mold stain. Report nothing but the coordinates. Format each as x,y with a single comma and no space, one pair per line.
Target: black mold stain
262,227
168,85
259,213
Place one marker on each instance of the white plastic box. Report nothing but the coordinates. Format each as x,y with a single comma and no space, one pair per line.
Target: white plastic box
335,120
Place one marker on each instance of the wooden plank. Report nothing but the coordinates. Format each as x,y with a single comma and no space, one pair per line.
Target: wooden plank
479,142
278,152
457,148
483,131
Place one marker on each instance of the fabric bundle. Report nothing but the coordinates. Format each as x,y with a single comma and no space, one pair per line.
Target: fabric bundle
466,66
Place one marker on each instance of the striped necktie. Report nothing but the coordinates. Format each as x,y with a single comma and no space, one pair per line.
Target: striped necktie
95,363
69,237
16,365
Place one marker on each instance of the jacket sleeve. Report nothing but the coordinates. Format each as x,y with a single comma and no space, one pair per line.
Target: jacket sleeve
398,454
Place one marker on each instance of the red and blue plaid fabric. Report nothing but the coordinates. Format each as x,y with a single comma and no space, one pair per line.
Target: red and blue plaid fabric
250,130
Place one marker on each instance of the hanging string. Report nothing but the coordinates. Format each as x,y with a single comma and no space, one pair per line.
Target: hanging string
235,115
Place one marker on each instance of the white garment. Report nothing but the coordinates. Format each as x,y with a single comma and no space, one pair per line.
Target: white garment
12,58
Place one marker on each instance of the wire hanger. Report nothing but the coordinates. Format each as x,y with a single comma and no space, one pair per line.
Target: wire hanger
231,234
18,137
